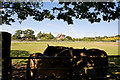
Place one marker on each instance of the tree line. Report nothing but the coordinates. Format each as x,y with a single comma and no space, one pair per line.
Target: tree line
28,35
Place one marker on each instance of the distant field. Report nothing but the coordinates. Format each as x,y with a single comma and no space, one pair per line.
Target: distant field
110,47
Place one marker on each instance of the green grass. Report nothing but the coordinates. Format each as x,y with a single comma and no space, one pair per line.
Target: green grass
33,47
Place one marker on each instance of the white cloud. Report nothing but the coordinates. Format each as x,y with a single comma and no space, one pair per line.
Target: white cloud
49,24
27,28
73,32
79,35
7,29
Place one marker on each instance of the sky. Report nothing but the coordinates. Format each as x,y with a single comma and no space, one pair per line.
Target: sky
80,28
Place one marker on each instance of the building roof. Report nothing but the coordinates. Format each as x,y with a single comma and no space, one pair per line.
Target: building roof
59,35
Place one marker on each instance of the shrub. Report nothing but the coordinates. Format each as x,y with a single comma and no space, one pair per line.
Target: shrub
19,53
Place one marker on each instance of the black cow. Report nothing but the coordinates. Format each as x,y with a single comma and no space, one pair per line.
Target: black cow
54,50
99,59
37,64
71,59
94,59
45,63
76,58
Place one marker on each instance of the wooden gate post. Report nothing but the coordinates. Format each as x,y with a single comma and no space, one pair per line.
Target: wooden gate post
6,61
0,56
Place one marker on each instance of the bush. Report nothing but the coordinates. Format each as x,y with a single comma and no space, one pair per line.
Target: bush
19,53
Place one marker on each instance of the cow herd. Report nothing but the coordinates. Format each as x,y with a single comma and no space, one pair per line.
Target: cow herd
67,63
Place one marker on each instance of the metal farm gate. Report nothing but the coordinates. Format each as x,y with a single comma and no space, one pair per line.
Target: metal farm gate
113,70
16,71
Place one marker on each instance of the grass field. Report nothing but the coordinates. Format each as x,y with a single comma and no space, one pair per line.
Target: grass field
33,47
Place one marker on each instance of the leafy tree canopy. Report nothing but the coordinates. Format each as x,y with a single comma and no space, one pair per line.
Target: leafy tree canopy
29,32
44,35
69,38
17,35
26,34
106,11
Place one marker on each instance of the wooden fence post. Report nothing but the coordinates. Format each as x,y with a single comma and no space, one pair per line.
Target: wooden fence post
0,56
6,61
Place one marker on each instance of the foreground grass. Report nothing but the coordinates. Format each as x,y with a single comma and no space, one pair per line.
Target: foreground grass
33,47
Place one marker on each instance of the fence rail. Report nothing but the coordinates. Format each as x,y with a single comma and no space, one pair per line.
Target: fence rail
51,57
111,56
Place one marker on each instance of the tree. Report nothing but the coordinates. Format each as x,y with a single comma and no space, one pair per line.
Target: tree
39,34
17,35
68,37
50,36
44,36
105,37
29,34
26,34
68,11
73,39
117,36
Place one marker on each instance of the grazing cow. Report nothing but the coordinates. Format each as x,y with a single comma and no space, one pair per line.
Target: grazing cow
54,50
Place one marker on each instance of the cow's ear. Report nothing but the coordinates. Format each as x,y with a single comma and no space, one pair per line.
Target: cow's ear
84,48
48,45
